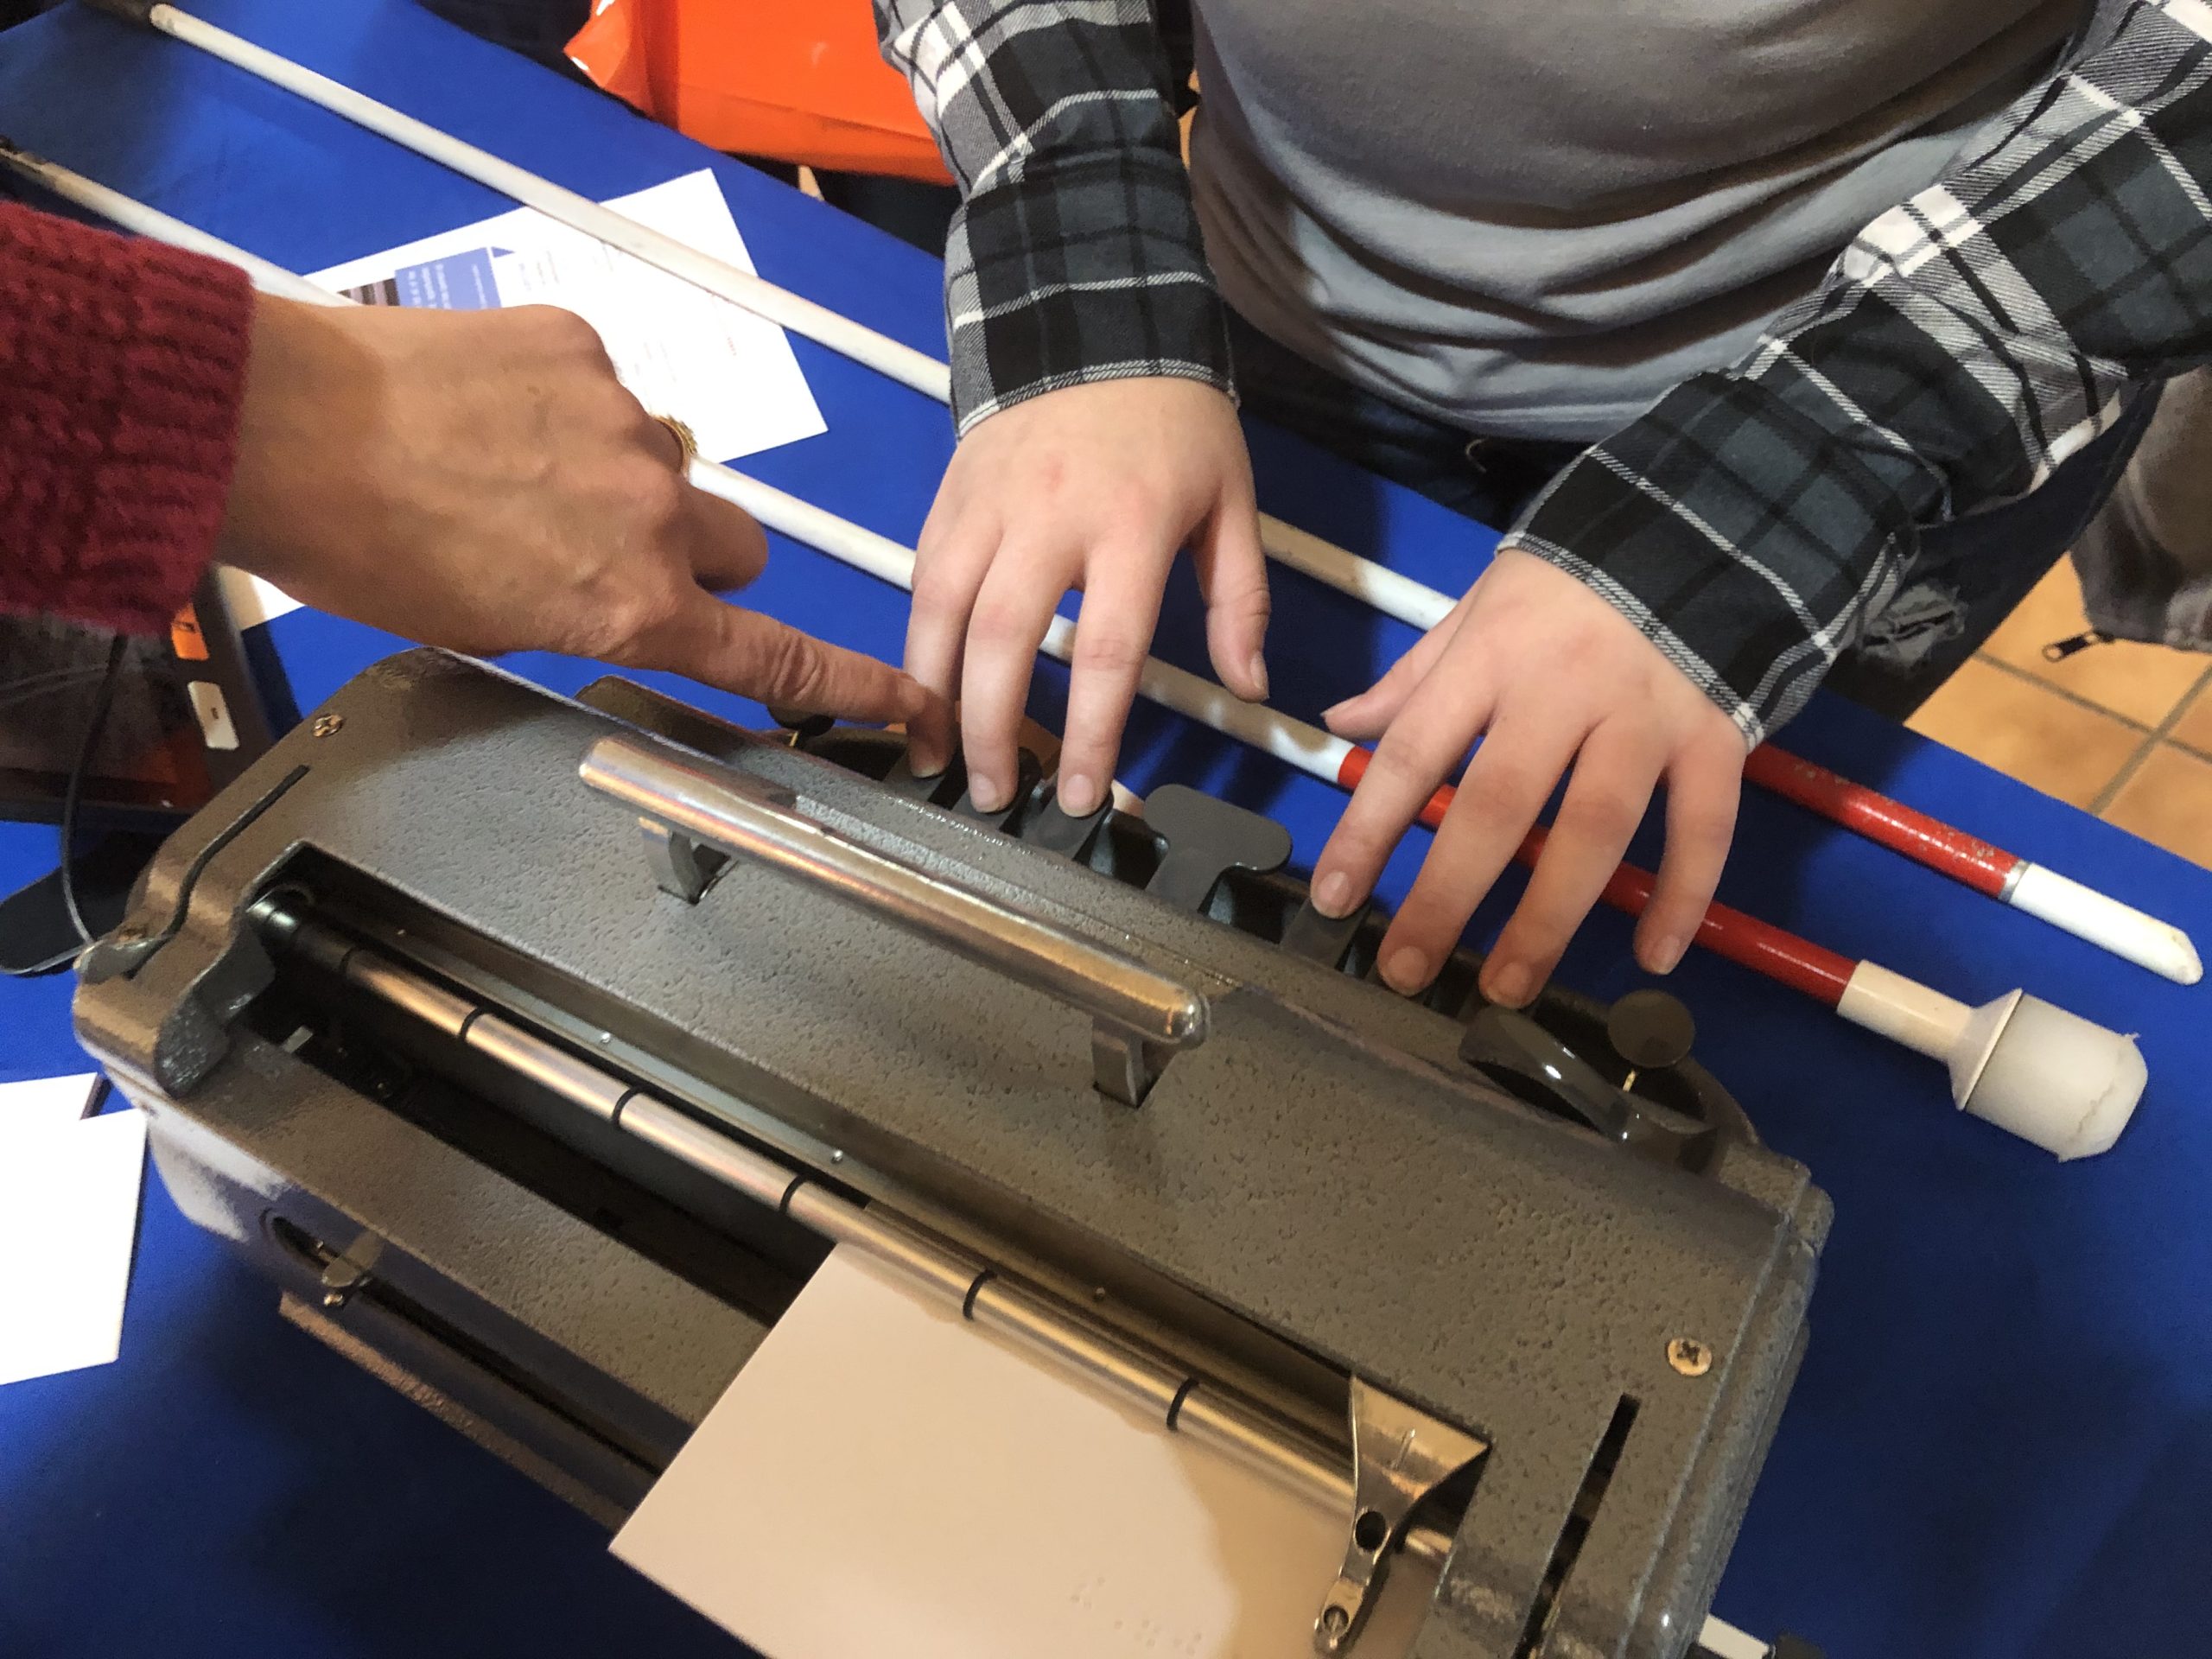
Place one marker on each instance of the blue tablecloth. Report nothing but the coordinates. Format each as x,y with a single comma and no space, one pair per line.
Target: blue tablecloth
2000,1443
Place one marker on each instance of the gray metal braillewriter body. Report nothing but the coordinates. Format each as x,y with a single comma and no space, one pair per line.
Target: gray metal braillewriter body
539,1049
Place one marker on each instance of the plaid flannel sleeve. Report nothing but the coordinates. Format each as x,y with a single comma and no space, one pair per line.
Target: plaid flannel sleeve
1966,342
1076,254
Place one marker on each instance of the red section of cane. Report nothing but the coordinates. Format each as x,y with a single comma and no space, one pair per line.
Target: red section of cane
1819,973
1889,823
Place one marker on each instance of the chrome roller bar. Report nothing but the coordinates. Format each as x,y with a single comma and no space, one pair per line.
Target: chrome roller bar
694,816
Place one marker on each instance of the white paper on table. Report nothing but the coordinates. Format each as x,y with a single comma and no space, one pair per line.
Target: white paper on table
883,1478
68,1220
729,376
44,1102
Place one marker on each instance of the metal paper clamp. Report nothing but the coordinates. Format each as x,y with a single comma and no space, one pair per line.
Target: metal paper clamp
351,1271
1399,1456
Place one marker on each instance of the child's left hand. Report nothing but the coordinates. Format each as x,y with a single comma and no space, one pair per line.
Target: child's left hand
1550,676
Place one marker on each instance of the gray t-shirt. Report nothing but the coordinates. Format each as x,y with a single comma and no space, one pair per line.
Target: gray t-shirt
1532,217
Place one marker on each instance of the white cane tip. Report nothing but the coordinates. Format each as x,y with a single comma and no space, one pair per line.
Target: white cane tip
2102,920
2160,946
2060,1081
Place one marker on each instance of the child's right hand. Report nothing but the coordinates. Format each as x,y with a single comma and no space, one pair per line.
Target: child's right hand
1096,487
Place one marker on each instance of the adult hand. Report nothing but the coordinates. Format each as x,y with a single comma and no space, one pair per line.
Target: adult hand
480,480
1094,488
1549,675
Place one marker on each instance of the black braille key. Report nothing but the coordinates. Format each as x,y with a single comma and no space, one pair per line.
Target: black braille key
1206,839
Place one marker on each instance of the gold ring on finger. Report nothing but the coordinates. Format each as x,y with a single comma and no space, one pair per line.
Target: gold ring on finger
686,440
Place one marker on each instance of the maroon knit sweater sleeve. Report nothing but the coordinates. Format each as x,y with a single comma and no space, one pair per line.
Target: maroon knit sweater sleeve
122,376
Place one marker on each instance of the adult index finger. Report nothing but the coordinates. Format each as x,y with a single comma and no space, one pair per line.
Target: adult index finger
754,656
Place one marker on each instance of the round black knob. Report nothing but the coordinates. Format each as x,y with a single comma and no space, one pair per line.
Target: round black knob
802,725
1650,1030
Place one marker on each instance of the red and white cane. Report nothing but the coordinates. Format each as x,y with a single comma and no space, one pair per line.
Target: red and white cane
2050,1077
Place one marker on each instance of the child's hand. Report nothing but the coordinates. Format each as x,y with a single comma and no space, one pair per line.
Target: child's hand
1549,676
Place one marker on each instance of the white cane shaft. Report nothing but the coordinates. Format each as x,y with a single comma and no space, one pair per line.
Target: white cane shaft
1374,585
136,216
1303,746
1308,747
1384,589
803,522
764,299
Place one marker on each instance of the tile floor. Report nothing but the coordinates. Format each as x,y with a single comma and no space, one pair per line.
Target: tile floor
2123,731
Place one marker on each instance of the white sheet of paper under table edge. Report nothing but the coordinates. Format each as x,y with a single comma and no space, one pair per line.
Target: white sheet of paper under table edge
883,1478
44,1101
68,1217
727,374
